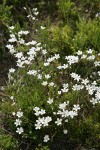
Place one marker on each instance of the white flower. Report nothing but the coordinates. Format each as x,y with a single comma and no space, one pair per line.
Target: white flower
65,85
42,112
19,114
44,52
72,113
13,113
75,76
97,15
92,57
79,53
65,131
42,27
9,46
50,59
18,122
59,67
34,9
27,62
76,107
64,66
39,76
21,41
56,56
12,40
84,56
23,32
38,44
58,122
99,73
77,87
51,84
66,120
59,92
44,121
97,95
46,138
63,105
19,130
32,72
38,125
24,8
64,90
12,27
97,63
12,97
46,64
44,83
39,111
19,55
12,35
85,81
50,101
72,59
12,70
36,13
89,51
94,101
47,76
12,51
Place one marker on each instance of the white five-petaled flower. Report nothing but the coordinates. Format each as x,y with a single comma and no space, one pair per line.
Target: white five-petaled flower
75,76
20,130
44,52
19,55
76,107
58,121
59,92
42,27
51,84
47,76
72,114
18,122
46,64
79,53
63,105
19,114
46,138
44,83
89,51
12,70
12,27
39,111
85,81
50,101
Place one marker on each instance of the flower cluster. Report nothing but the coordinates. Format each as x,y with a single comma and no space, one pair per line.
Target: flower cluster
57,80
18,121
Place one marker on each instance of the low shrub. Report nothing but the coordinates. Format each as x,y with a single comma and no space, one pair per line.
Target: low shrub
51,102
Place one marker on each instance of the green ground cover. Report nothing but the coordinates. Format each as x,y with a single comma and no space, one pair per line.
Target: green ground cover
51,95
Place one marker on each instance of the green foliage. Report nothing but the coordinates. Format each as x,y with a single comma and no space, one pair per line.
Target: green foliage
87,35
68,11
7,142
5,14
58,39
